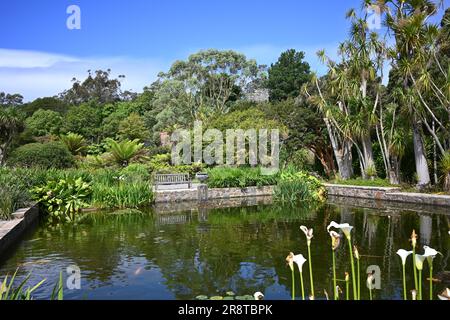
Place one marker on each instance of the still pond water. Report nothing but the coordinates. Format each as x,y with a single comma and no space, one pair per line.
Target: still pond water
185,254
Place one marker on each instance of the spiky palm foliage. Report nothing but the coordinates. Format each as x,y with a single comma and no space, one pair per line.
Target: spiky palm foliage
126,151
76,143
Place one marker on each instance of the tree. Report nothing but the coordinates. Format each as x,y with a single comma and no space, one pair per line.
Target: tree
133,128
44,122
287,75
306,130
10,100
213,77
85,120
46,103
11,123
407,20
98,87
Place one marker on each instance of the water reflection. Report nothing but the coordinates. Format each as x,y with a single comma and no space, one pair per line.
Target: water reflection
179,255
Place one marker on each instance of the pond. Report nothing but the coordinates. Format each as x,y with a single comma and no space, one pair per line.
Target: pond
171,254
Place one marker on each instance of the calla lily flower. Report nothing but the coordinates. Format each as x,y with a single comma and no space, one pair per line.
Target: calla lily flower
413,238
356,252
308,233
403,255
444,295
419,262
299,259
258,296
290,261
414,294
370,280
335,239
345,227
430,252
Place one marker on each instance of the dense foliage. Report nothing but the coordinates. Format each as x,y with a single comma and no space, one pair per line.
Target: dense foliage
43,155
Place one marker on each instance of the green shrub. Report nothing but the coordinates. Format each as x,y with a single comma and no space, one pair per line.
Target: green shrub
15,185
299,186
127,188
63,199
226,177
42,155
161,163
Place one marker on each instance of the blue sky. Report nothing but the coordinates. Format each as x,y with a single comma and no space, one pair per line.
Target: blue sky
39,55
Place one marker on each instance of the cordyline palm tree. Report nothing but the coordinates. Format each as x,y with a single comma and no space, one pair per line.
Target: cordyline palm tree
349,96
11,123
407,20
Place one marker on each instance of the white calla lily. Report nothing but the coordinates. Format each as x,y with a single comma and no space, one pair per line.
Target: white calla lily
345,227
430,252
445,295
419,261
300,260
308,233
258,296
403,255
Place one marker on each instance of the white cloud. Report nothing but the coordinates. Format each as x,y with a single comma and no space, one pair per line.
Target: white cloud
37,74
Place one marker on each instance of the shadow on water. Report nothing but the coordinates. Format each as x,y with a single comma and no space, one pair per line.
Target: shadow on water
186,250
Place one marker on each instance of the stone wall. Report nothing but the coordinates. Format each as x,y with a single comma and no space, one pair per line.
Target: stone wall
223,193
388,194
12,230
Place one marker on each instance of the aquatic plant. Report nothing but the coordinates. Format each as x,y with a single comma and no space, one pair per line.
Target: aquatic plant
309,235
358,275
430,254
347,229
335,241
290,262
63,199
419,265
370,284
299,259
403,255
413,240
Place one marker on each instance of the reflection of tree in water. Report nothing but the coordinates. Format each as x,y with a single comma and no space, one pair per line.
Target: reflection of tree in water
231,252
238,249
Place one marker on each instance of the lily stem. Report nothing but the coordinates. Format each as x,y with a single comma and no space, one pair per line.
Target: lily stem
420,284
355,293
310,271
359,279
293,285
416,285
334,276
431,281
303,288
347,289
405,297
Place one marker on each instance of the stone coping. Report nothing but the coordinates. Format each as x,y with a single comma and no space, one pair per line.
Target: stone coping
362,187
12,230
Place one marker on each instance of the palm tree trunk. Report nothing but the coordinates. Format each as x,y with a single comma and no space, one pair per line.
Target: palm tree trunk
368,153
394,170
423,174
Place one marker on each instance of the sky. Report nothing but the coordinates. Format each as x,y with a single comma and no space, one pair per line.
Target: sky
40,55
